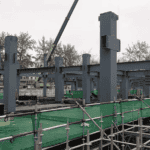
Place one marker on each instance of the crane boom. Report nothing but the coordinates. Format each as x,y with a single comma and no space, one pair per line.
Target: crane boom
48,58
60,32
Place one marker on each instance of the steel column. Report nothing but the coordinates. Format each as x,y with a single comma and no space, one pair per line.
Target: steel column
86,78
59,83
108,56
45,78
10,71
124,86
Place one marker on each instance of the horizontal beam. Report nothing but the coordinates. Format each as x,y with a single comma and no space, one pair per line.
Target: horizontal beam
134,69
30,74
36,70
130,66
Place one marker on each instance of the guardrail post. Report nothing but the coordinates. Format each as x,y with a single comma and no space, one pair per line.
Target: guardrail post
83,139
67,142
112,136
88,140
39,141
101,133
141,138
122,130
35,133
138,118
137,143
115,119
132,116
83,102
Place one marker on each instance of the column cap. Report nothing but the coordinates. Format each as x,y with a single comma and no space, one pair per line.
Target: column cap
108,15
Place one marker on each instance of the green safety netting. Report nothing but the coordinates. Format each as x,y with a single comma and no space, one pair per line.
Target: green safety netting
79,94
1,95
59,117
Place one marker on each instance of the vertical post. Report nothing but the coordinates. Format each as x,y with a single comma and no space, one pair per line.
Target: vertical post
132,116
138,117
35,133
129,85
101,133
67,142
115,118
91,85
77,83
59,81
83,123
144,89
18,84
109,45
1,100
146,85
122,131
10,71
97,83
44,77
88,140
86,78
94,83
139,127
83,139
124,86
72,86
137,143
39,141
1,47
141,138
112,136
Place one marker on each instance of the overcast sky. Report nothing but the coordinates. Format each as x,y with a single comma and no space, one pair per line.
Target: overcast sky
45,18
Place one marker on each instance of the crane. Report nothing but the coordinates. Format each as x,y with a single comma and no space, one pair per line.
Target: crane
51,51
60,32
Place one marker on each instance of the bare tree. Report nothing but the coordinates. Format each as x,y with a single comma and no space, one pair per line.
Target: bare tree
2,43
67,52
41,50
70,55
137,52
25,43
122,59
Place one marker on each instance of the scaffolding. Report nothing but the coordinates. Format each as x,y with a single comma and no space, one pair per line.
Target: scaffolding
103,136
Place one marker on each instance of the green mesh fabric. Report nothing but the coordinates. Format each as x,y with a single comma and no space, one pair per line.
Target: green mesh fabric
38,120
59,117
